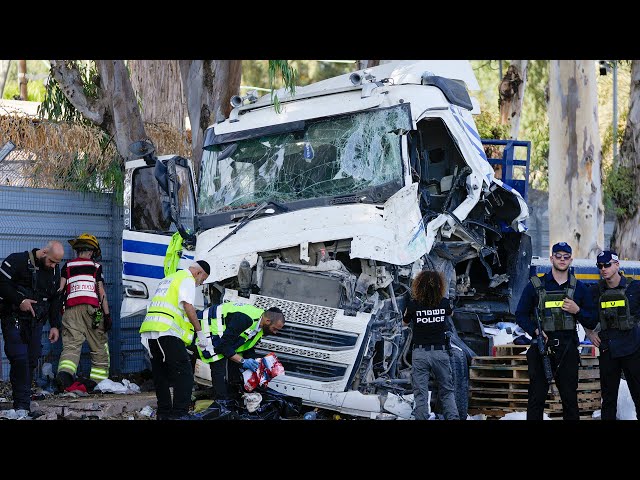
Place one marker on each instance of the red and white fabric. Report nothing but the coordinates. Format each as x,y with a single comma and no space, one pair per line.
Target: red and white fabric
268,368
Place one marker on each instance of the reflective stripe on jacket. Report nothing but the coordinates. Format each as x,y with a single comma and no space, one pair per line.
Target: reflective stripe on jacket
216,326
82,285
165,312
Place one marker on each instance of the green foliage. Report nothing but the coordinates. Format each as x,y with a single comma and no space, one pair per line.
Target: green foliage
35,88
620,186
57,107
35,91
288,75
534,122
82,174
260,74
488,125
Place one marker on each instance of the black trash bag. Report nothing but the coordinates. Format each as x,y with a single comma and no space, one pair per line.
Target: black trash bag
219,410
274,406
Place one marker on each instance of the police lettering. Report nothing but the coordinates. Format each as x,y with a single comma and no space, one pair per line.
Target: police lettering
430,315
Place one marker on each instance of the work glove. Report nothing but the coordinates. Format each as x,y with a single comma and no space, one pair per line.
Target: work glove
107,322
251,364
203,339
205,344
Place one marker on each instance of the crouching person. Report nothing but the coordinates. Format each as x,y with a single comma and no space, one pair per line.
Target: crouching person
234,331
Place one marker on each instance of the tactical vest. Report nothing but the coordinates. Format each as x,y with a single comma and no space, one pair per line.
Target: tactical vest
613,308
43,297
552,317
82,287
165,312
217,325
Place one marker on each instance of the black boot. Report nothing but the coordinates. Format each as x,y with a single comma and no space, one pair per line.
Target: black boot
63,380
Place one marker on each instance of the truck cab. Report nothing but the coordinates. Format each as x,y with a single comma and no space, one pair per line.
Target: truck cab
327,210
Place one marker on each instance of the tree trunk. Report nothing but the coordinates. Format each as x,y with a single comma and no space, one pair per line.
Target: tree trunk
511,95
22,79
362,64
4,71
626,231
576,213
158,86
115,110
208,86
123,120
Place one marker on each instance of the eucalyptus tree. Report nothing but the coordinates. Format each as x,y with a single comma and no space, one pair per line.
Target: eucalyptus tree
511,95
576,213
208,86
108,100
158,88
624,179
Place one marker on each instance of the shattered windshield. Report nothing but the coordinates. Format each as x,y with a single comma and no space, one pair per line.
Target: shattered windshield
329,157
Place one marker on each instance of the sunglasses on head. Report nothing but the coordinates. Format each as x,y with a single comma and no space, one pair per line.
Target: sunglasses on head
560,256
603,265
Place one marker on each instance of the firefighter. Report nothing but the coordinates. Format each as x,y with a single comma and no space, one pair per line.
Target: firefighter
29,291
235,329
86,313
618,334
166,331
557,300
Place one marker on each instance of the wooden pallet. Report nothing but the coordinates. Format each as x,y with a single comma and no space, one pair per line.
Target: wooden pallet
513,349
499,385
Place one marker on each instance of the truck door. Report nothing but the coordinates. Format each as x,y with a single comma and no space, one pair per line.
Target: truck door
149,226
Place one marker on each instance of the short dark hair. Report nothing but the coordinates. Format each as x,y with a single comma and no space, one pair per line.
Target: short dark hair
274,314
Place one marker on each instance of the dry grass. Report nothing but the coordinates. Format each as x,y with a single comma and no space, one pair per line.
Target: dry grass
72,156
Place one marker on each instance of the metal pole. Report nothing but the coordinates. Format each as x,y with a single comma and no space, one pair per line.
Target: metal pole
615,108
500,70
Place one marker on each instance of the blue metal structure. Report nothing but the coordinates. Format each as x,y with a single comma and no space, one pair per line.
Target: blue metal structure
29,217
509,160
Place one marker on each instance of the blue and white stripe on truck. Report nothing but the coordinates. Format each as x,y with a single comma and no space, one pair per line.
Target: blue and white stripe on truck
142,259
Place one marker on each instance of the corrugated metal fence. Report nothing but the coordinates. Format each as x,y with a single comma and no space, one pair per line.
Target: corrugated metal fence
30,217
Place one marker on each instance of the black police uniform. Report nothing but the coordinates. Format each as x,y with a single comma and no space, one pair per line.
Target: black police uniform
619,349
21,331
563,344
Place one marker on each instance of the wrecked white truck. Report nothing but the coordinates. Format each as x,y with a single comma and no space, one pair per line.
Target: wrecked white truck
327,210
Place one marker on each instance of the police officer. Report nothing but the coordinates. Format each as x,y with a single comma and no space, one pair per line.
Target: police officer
618,334
166,331
557,300
235,329
29,283
427,311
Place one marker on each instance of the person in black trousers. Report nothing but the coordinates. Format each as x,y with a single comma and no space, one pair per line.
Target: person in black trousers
29,283
618,334
426,312
558,301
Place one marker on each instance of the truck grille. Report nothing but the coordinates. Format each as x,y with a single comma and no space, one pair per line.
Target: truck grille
299,312
316,338
308,368
293,350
